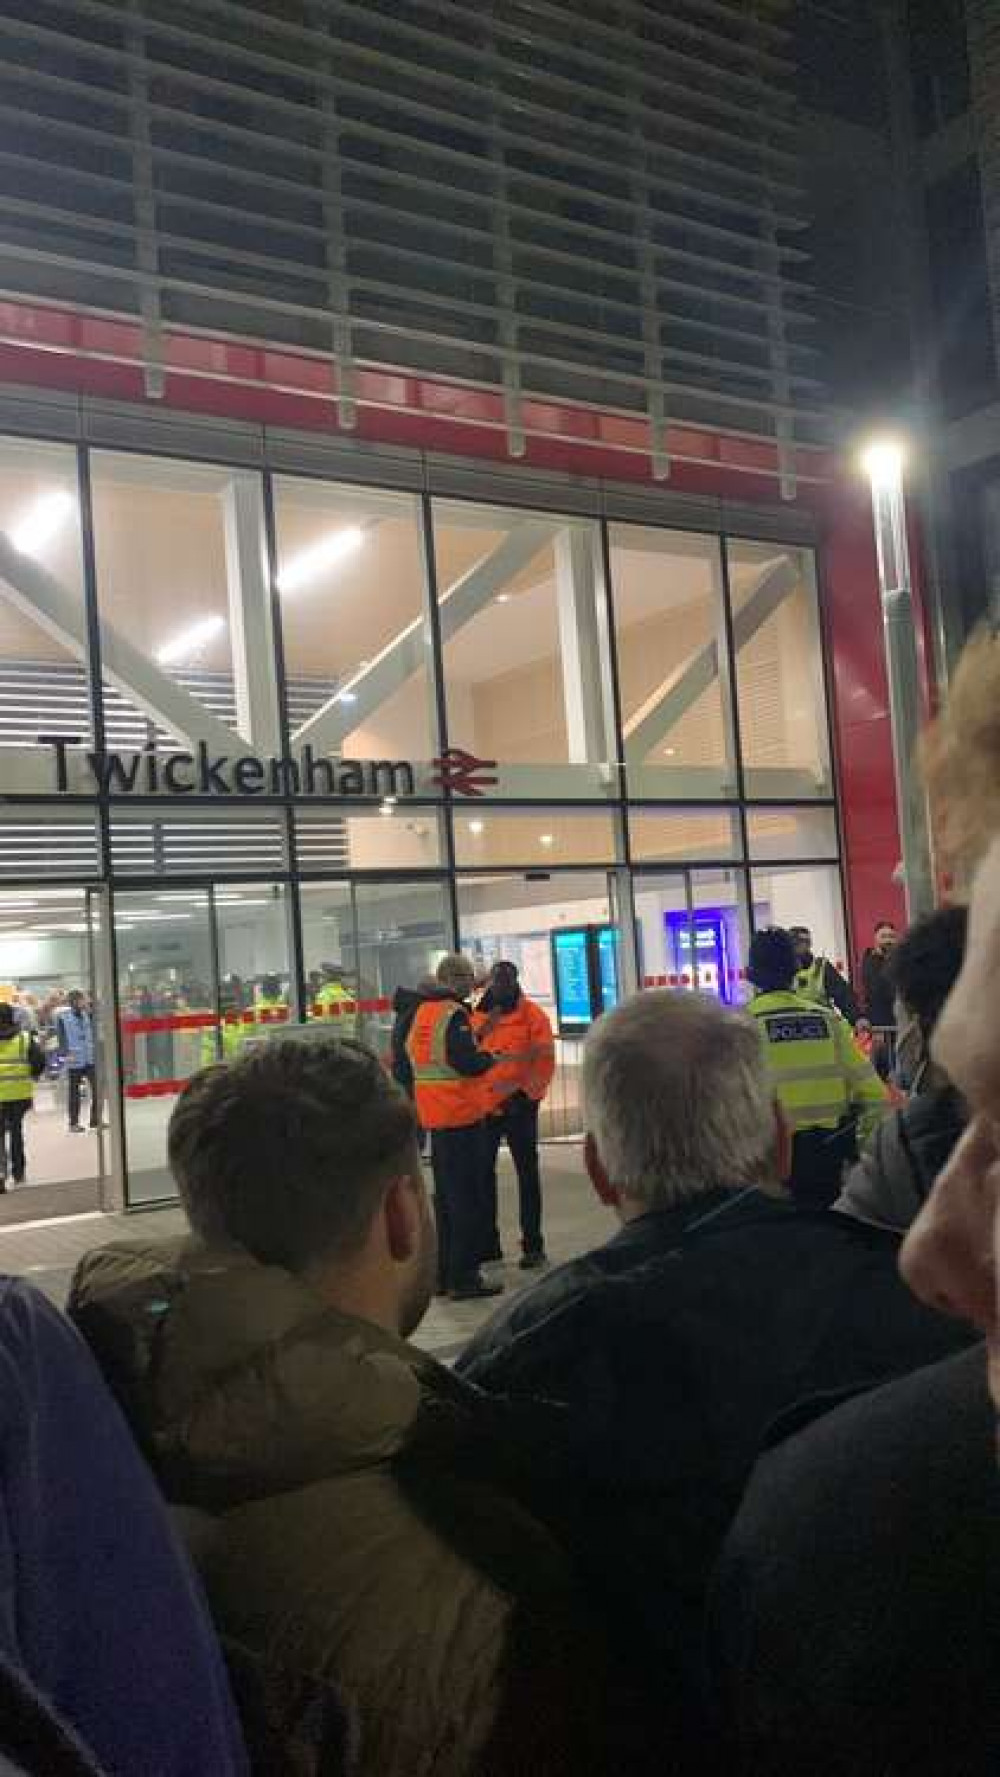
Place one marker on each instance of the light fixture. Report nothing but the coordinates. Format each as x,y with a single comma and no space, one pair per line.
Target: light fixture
546,839
324,554
189,640
503,598
388,805
476,827
883,461
42,520
669,752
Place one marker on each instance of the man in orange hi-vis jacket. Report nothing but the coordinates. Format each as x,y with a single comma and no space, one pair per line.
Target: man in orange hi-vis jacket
518,1034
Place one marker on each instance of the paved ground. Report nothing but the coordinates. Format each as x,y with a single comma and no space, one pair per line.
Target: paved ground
48,1250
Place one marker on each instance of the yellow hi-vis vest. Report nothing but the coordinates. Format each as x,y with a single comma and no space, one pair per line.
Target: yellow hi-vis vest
16,1083
820,1077
811,982
332,996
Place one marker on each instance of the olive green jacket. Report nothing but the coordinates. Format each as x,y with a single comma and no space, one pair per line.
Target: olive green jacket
364,1537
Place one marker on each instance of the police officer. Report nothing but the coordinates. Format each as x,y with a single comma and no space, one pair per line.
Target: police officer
816,979
519,1035
21,1064
335,1001
449,1070
830,1094
271,1005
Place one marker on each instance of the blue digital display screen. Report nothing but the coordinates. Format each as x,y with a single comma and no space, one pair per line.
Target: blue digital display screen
607,957
574,1001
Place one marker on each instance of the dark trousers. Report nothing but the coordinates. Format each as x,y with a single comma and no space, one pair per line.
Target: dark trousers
76,1076
457,1164
12,1137
518,1127
819,1157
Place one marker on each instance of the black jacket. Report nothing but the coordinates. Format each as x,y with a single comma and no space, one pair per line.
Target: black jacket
839,992
675,1346
891,1183
461,1049
855,1620
877,989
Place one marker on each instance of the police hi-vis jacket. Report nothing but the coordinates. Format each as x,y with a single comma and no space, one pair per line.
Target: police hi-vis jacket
820,1077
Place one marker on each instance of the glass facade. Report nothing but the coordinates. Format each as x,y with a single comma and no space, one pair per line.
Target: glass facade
289,739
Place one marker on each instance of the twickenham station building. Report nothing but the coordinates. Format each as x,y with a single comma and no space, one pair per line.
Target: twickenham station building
419,528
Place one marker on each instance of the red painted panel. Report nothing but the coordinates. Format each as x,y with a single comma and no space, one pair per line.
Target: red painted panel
861,711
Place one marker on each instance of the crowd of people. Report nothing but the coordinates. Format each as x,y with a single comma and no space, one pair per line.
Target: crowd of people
719,1496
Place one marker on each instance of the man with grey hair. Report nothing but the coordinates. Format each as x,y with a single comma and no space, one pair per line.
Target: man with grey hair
715,1307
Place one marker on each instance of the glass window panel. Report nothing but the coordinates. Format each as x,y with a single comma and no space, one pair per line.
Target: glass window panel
392,837
44,686
363,940
781,833
204,842
167,1018
187,639
686,834
539,839
693,931
48,841
523,625
804,896
255,974
356,643
514,918
779,671
670,636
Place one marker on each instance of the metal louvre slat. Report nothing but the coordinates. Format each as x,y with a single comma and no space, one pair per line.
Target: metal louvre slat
381,60
369,131
540,324
609,194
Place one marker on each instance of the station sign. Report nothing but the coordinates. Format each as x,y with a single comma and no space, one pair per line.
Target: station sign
204,771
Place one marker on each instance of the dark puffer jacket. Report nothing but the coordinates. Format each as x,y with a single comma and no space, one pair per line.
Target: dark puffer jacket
674,1347
365,1534
891,1183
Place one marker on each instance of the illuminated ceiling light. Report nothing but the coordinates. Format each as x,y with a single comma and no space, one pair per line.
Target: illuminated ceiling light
346,697
546,839
476,827
669,752
324,554
388,805
503,598
42,520
188,641
883,461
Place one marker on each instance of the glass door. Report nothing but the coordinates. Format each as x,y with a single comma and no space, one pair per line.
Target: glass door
201,972
51,962
363,939
693,930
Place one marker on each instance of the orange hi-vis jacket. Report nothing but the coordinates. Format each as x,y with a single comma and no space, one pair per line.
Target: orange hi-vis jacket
444,1098
523,1043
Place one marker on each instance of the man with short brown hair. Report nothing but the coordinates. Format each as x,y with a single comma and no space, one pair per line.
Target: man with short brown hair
365,1540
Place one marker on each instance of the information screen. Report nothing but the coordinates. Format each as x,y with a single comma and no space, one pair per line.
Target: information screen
607,957
571,969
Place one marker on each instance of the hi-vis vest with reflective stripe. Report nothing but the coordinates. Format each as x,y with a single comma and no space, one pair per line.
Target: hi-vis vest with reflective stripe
16,1083
523,1041
819,1076
811,982
334,1002
444,1099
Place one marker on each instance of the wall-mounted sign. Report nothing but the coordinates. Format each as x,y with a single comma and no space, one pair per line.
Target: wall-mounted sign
203,771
